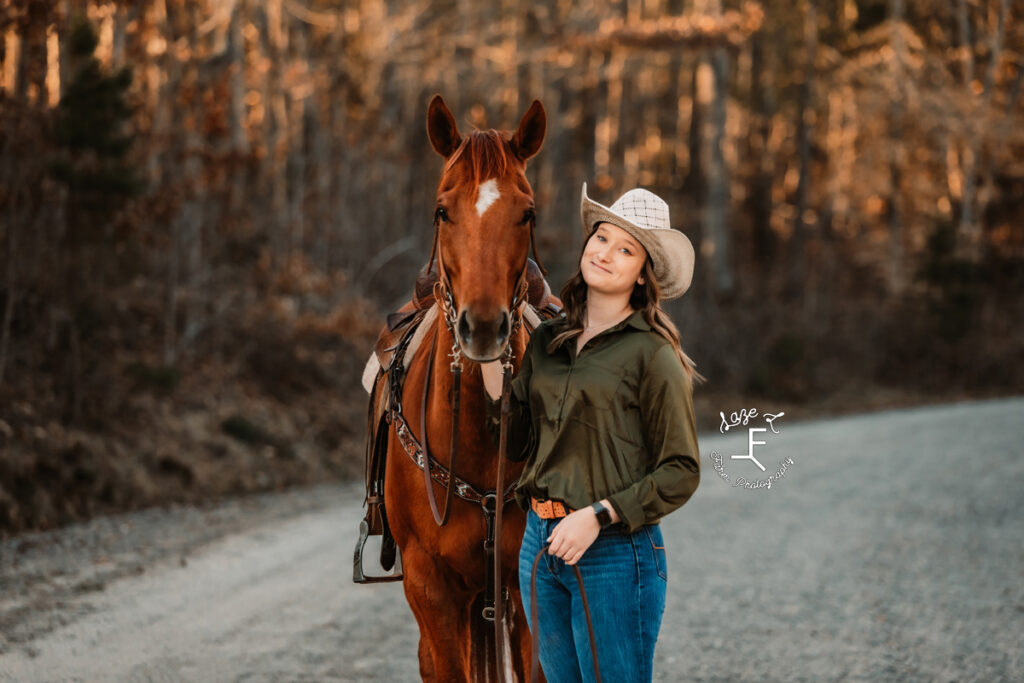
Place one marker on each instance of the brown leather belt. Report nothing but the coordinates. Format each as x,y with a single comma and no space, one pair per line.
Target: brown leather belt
550,509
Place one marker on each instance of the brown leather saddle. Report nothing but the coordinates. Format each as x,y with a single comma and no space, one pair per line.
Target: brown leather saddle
397,342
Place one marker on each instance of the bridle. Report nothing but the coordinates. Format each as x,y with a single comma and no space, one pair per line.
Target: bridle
446,305
494,596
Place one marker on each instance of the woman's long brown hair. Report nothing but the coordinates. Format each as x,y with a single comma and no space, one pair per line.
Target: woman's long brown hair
645,297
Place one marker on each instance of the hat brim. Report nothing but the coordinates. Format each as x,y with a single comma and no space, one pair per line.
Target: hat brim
670,250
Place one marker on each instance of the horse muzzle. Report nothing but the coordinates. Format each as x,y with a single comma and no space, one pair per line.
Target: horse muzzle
483,338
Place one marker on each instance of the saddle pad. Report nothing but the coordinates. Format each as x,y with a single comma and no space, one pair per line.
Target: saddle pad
531,318
370,372
373,363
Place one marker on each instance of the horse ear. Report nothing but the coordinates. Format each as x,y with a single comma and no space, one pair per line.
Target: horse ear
444,134
530,135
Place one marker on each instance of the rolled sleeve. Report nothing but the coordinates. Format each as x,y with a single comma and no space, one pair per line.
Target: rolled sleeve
521,438
670,433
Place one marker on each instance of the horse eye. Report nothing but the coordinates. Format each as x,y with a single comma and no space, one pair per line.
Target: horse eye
528,217
441,214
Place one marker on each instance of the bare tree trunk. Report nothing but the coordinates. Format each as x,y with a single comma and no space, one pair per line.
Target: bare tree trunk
320,151
10,74
276,131
569,166
602,141
797,284
298,139
32,62
122,15
239,141
1014,91
11,285
696,180
583,147
839,142
954,192
338,222
526,72
762,246
621,90
189,225
70,9
296,169
667,167
984,169
896,153
969,241
716,212
165,169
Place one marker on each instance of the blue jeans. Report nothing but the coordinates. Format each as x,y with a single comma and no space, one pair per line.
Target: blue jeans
625,576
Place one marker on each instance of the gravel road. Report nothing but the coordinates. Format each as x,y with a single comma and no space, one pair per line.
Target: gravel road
891,550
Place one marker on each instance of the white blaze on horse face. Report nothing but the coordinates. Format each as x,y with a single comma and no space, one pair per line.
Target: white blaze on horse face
486,195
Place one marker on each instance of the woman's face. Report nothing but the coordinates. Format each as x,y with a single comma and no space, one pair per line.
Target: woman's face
613,260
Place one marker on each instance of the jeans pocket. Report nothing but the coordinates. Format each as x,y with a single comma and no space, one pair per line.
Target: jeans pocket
657,543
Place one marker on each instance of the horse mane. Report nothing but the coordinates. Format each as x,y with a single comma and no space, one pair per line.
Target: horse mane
486,153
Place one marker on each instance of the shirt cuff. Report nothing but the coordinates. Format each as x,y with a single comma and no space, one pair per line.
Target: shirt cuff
630,511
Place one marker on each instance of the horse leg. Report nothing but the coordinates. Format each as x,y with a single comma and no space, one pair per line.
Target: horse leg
426,658
438,603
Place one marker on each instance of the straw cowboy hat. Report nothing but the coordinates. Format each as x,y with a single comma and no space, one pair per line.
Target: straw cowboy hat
644,215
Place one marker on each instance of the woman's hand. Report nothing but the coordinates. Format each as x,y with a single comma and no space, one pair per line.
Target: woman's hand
574,534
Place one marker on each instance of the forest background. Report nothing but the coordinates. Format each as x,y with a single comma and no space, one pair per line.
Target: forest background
206,208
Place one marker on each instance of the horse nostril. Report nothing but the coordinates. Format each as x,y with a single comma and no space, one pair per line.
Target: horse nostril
503,329
464,327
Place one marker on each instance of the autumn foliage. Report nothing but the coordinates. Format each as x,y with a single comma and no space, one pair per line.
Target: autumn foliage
205,207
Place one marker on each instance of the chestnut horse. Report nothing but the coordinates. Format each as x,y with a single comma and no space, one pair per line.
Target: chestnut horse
483,222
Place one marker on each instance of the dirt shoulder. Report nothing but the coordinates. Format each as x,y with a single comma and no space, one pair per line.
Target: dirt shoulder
49,577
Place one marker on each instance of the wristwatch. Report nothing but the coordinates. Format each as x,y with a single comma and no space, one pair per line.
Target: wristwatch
604,518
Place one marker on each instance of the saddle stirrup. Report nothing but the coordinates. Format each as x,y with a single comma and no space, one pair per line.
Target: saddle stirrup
359,575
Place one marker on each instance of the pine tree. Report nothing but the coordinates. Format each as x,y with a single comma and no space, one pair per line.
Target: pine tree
92,137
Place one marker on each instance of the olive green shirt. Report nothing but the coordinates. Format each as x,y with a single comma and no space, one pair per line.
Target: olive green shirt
615,422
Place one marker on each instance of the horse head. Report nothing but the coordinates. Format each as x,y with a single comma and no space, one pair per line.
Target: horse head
483,225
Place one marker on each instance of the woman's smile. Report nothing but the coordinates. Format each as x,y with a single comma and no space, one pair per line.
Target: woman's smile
613,259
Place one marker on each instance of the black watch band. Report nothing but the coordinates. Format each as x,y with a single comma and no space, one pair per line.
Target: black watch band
604,518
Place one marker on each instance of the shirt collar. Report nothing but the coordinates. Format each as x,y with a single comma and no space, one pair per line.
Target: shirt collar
637,320
634,319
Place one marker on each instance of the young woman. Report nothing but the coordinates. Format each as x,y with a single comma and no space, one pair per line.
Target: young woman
602,411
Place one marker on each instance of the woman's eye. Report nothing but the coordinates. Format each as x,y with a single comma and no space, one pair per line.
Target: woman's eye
441,214
601,238
627,251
